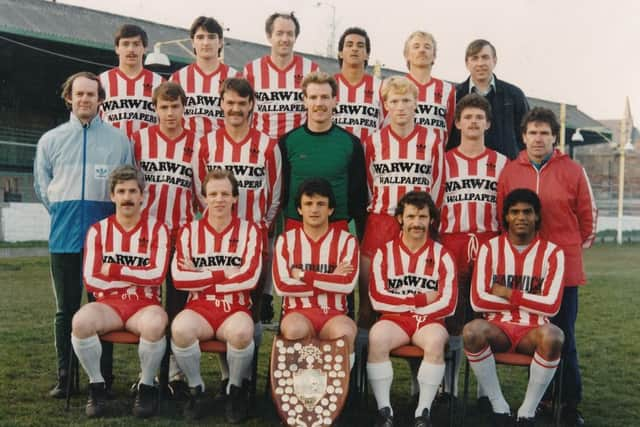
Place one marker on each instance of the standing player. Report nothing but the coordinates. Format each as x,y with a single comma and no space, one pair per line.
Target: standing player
277,78
517,284
469,206
359,107
70,172
320,148
508,103
129,87
218,260
436,98
125,262
402,157
315,267
413,286
165,154
201,80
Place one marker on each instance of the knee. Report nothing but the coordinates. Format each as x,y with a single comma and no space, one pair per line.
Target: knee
154,325
552,339
242,337
293,330
82,326
182,333
378,344
473,336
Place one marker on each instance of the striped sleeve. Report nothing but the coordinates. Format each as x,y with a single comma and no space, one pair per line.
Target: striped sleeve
445,304
247,277
337,283
382,299
482,300
285,285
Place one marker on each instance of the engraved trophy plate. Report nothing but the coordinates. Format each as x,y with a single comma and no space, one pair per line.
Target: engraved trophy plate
309,380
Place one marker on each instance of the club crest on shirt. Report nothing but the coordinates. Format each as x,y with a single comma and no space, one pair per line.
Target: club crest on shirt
101,172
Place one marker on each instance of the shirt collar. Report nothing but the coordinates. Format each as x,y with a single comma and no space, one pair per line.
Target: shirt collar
492,85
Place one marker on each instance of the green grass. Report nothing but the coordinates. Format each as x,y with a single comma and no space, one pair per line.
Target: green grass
25,244
607,331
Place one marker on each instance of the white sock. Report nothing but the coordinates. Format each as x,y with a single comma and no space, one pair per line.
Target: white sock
541,373
380,377
414,365
224,366
455,345
188,359
151,354
239,361
484,367
429,378
352,360
89,351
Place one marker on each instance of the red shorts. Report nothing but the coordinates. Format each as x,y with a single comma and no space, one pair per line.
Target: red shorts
464,248
410,323
292,224
378,231
316,316
127,307
212,313
514,332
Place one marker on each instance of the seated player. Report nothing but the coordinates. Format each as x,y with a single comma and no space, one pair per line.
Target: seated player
218,259
315,267
125,261
517,284
413,286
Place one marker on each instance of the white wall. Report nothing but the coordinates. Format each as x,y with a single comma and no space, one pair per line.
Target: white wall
23,221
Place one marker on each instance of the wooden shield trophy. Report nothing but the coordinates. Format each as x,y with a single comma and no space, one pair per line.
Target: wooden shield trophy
309,380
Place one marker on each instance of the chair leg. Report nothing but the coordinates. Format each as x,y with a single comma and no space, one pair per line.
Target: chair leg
453,359
465,393
254,378
557,394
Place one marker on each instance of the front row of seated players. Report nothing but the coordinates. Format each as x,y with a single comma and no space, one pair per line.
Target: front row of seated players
125,262
219,260
517,285
315,267
413,286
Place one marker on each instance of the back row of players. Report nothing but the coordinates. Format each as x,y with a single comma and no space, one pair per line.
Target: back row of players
219,259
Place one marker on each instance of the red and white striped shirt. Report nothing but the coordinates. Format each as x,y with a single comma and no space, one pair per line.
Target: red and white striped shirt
400,280
436,106
229,262
202,112
257,165
319,287
469,203
397,165
359,108
128,103
138,258
535,277
279,106
168,173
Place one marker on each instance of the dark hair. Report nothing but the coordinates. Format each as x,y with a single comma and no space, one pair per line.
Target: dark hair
125,173
521,195
219,174
130,30
421,199
67,86
239,85
317,187
476,46
473,100
543,115
359,32
169,91
209,24
268,25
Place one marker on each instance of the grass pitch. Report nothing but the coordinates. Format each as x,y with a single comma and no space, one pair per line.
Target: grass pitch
607,332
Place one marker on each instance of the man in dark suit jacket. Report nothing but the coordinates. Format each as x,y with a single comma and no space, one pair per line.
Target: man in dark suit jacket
508,103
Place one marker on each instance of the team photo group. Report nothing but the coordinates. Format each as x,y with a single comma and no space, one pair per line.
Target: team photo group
408,211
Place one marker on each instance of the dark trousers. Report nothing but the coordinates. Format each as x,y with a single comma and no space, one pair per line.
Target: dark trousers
66,276
566,320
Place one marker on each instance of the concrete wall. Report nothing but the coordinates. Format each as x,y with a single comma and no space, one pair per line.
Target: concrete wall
23,221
